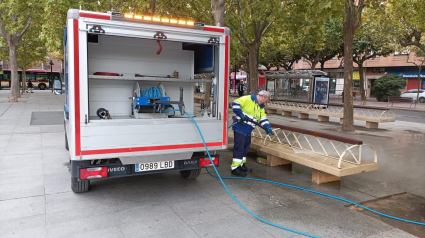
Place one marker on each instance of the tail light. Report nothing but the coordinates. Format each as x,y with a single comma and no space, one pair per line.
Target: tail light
206,162
92,173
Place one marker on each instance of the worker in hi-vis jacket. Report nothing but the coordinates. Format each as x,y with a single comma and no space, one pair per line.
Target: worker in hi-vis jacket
247,109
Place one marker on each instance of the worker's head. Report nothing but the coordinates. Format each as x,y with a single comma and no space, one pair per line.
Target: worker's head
263,97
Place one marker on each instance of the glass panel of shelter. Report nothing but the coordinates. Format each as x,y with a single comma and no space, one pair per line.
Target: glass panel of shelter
291,89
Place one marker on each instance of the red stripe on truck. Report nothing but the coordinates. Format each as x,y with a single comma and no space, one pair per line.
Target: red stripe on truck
213,29
148,148
77,89
95,16
226,91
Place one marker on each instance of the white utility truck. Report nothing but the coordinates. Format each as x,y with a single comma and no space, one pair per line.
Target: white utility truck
129,79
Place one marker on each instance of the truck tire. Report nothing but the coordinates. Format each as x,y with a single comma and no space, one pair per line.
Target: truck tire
42,86
190,174
66,142
79,186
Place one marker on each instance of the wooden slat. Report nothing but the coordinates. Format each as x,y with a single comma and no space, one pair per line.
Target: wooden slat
318,134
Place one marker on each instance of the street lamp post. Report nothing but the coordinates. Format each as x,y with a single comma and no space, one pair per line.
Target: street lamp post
51,74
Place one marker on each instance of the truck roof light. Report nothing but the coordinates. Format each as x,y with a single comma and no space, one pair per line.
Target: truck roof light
158,19
92,173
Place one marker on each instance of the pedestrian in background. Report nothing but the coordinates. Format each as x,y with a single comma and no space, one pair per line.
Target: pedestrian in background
240,89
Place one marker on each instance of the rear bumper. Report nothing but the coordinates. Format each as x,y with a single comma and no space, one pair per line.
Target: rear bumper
116,169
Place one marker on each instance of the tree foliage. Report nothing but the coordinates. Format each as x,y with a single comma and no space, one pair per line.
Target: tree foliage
55,17
409,18
281,51
32,49
388,85
250,21
324,42
373,38
16,16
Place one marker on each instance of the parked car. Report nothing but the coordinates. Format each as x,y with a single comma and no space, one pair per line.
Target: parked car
412,93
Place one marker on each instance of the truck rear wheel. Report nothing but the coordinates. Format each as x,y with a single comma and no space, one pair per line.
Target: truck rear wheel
79,186
190,174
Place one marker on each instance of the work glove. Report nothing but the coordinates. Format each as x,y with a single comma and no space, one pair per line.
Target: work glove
243,117
269,131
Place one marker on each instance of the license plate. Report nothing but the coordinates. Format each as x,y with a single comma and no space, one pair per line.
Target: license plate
154,166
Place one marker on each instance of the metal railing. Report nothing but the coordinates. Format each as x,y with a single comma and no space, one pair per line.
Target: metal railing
336,110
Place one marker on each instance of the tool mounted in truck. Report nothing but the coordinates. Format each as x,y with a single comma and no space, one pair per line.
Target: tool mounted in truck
152,102
157,101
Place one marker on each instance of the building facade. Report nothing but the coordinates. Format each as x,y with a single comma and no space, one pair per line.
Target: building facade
399,63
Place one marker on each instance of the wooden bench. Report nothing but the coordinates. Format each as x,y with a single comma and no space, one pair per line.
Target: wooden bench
323,114
393,99
324,168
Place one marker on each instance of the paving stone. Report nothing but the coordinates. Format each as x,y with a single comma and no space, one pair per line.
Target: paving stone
200,211
57,183
22,207
21,190
32,226
395,233
182,232
236,226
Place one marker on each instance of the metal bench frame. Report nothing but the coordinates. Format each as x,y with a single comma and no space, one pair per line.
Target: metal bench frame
351,150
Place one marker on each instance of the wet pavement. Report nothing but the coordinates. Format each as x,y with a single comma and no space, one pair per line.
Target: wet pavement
36,199
405,206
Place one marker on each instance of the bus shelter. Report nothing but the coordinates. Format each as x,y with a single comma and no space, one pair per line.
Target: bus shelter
290,85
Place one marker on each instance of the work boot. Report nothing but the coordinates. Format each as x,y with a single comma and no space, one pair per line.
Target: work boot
239,172
246,169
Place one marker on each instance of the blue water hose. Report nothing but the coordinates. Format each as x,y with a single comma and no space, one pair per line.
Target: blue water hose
286,185
153,92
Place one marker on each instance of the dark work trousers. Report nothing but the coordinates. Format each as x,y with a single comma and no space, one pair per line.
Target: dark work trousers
241,145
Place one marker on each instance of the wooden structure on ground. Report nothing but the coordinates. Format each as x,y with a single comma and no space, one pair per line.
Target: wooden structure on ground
373,116
330,157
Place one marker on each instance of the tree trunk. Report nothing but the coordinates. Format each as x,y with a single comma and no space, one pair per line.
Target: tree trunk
14,81
419,83
349,21
322,66
217,7
311,83
218,14
153,7
253,67
362,79
24,69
